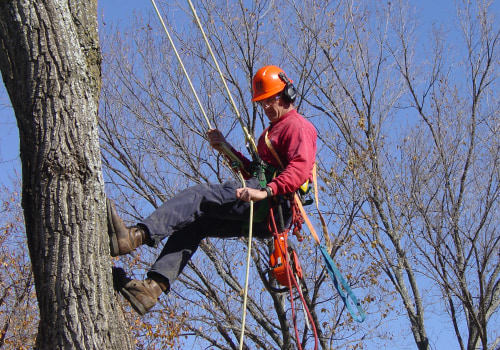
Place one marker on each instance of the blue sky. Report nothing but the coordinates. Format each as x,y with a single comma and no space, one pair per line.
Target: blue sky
122,10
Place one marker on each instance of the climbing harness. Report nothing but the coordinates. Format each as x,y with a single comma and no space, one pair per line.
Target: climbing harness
338,280
284,265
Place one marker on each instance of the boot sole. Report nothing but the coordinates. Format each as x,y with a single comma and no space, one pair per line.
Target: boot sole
136,304
114,249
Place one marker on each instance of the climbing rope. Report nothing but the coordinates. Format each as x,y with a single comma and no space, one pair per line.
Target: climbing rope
248,137
236,161
253,150
247,274
226,149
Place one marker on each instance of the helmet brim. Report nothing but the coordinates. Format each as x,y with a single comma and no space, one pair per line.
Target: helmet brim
267,94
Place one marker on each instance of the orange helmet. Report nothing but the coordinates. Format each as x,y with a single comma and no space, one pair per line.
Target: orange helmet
267,82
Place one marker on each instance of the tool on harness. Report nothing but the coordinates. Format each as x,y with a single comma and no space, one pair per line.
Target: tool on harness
284,257
279,263
285,268
304,193
261,171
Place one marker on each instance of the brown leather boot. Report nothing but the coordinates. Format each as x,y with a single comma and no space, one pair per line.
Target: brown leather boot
142,295
123,239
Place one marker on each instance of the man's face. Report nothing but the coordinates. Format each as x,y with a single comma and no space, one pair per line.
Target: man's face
273,107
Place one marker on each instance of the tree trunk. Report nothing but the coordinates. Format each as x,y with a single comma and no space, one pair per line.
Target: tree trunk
51,64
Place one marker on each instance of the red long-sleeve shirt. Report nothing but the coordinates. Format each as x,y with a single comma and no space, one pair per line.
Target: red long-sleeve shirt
294,140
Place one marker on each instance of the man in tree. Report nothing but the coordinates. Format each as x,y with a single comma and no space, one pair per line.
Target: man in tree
286,148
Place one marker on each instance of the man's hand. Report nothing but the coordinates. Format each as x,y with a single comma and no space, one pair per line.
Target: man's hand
216,139
250,194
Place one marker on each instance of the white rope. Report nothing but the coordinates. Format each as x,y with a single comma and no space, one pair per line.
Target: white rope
225,147
247,274
228,152
182,64
249,140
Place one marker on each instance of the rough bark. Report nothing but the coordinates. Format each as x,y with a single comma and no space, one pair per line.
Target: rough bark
51,64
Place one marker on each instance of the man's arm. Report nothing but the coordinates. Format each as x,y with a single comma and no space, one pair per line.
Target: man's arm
219,143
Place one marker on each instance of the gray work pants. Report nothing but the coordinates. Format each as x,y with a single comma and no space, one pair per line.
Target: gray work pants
206,210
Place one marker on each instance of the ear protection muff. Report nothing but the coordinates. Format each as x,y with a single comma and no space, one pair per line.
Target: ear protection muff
289,94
